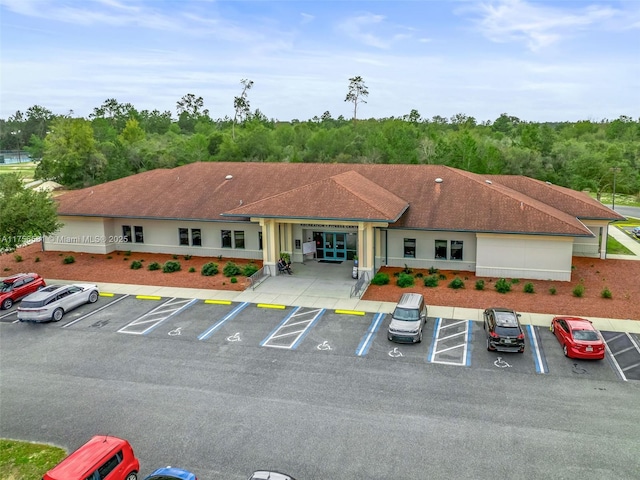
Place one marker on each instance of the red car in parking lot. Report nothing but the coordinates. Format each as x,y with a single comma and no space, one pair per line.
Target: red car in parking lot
578,338
17,286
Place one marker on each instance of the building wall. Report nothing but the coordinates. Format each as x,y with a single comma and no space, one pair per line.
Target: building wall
524,256
391,251
97,235
590,246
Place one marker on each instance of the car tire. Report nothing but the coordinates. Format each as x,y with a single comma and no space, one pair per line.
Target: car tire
420,337
132,476
93,296
521,350
488,345
57,315
552,328
7,304
565,350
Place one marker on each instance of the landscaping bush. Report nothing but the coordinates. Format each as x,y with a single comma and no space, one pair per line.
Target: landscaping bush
231,270
192,269
187,257
407,270
171,266
175,257
154,266
68,260
578,290
442,276
433,270
127,253
419,275
515,281
456,283
479,284
502,286
249,269
405,280
209,269
606,293
37,259
431,281
18,258
528,288
136,265
234,280
552,290
380,279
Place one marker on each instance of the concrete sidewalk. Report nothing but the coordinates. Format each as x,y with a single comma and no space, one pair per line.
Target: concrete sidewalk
309,293
627,241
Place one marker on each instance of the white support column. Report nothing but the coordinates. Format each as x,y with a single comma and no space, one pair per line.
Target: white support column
270,245
365,248
604,235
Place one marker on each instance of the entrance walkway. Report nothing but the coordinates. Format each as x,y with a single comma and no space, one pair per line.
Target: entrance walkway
627,241
313,284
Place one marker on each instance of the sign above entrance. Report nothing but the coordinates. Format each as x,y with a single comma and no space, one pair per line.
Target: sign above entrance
323,225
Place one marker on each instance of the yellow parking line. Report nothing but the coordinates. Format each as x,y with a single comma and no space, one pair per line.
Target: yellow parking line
105,294
219,302
148,297
350,312
269,305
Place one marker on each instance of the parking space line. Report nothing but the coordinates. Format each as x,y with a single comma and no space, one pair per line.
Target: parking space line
211,330
631,366
452,324
152,318
452,335
367,340
538,361
95,311
435,350
451,348
278,333
614,362
8,314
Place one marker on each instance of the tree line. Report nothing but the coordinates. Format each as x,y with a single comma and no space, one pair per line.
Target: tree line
117,140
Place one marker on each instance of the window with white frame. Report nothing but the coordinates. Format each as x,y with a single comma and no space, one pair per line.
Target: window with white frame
441,250
226,238
456,249
410,248
238,236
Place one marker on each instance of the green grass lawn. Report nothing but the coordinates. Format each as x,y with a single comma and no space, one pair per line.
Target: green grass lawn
27,461
25,170
626,200
616,248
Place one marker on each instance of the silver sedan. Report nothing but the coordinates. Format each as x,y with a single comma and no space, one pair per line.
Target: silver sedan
52,302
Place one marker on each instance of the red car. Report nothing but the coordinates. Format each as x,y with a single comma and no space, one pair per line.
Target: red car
578,338
15,287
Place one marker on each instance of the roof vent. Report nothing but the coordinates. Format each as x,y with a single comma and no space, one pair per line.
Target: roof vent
228,177
548,183
438,180
489,182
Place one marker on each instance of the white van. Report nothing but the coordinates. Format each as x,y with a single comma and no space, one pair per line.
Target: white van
408,320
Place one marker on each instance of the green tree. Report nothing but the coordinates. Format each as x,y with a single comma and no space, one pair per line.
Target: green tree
25,213
356,94
132,132
241,105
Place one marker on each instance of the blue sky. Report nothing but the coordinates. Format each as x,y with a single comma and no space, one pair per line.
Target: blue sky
537,60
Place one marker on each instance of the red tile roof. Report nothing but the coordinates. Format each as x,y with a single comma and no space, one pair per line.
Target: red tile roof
461,201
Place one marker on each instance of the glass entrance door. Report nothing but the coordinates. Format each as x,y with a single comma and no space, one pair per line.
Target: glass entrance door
335,246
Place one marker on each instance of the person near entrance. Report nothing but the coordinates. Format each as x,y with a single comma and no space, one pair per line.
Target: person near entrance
283,266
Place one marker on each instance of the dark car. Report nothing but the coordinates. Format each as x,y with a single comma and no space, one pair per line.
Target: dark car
503,330
17,286
636,231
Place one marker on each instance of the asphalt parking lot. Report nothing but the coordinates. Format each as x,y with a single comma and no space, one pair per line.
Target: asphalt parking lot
319,331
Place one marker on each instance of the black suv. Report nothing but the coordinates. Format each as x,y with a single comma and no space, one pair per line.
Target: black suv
503,330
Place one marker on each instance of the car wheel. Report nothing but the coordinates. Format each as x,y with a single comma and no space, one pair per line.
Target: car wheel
57,315
565,350
420,337
488,345
132,476
7,304
552,328
93,297
521,350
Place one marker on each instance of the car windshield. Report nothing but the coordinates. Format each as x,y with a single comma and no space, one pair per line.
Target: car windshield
507,331
6,287
588,335
507,319
406,314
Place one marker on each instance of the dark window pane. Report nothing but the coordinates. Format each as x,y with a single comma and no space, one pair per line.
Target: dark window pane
196,238
259,240
410,247
126,233
139,235
456,250
226,238
239,237
441,249
183,235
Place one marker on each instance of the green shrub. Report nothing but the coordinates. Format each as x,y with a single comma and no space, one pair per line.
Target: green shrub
192,269
407,270
433,270
515,281
68,259
380,279
171,266
249,269
109,257
606,293
154,266
578,290
175,257
405,280
419,275
442,276
431,281
18,258
528,288
456,283
479,284
37,259
553,290
209,269
7,269
502,286
128,253
234,280
136,265
187,257
231,270
396,274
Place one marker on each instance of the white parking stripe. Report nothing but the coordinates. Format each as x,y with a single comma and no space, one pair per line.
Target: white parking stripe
615,363
95,311
152,316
